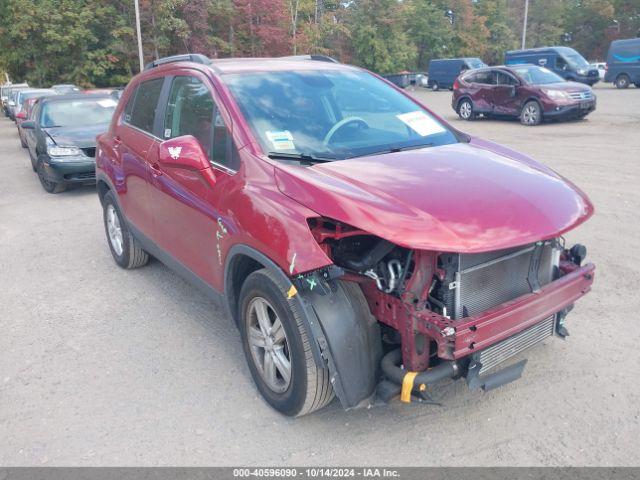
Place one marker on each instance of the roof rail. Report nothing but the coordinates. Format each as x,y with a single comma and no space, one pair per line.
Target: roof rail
318,58
187,57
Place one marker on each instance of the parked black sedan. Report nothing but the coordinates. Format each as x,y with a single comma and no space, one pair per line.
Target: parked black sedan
61,137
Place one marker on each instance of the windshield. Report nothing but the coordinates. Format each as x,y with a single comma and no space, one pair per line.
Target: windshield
475,63
332,114
576,60
76,113
537,75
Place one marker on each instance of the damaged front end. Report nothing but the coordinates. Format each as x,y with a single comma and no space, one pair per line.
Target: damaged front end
451,315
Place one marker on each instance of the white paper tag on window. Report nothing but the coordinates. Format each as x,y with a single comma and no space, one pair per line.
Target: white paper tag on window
421,123
167,133
281,140
107,103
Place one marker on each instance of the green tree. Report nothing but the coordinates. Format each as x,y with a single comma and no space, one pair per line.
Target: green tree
587,22
380,42
545,24
429,30
501,35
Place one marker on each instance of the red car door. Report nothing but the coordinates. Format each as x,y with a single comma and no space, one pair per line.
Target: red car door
186,202
506,99
481,91
133,140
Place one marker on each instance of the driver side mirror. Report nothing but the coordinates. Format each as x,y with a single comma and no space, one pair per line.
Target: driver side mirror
28,125
183,152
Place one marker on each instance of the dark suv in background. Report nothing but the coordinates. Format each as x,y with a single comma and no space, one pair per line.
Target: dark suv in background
527,92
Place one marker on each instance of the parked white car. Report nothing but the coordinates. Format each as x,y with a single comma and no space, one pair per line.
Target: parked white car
602,68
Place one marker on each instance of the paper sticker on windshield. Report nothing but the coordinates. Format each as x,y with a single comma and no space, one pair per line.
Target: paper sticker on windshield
421,123
281,140
107,103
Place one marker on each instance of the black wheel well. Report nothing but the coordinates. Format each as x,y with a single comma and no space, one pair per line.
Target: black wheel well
532,99
103,188
623,74
240,267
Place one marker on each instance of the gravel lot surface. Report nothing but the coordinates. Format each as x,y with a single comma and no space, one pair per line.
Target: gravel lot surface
102,366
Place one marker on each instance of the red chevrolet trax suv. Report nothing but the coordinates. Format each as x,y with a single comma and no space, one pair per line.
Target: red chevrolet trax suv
531,93
364,247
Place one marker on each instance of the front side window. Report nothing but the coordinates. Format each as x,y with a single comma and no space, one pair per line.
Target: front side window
561,64
191,110
145,104
77,113
504,79
332,114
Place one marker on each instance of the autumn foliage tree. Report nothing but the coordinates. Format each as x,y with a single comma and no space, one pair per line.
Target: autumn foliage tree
93,42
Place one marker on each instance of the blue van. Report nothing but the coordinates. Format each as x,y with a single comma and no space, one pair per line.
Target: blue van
443,72
623,63
563,61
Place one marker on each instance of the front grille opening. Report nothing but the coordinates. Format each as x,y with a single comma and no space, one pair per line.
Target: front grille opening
80,176
495,355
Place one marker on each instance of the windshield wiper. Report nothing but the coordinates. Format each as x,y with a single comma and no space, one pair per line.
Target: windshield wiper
301,157
396,150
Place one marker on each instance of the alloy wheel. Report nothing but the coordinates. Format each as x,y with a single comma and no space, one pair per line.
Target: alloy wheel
466,110
268,345
114,230
530,114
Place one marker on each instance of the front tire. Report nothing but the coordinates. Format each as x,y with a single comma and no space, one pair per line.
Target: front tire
48,185
277,348
531,113
465,110
125,249
435,87
622,81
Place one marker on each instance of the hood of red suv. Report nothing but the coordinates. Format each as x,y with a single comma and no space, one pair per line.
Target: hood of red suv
461,197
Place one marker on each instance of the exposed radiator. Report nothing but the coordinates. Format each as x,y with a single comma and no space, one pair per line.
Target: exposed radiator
482,281
498,353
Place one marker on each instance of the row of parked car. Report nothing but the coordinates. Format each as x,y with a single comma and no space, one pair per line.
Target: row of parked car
362,245
535,84
58,126
622,67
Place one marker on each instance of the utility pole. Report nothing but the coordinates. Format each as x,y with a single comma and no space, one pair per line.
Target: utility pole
140,54
524,26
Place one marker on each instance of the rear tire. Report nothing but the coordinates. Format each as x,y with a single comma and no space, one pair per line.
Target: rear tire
622,81
531,113
435,87
277,348
465,110
125,249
